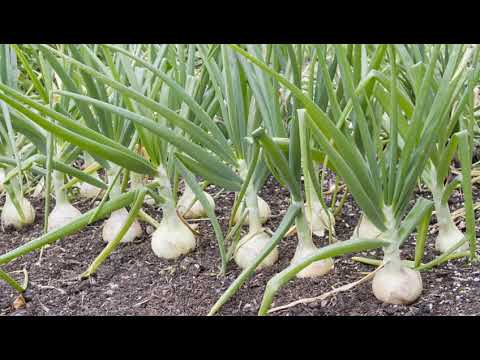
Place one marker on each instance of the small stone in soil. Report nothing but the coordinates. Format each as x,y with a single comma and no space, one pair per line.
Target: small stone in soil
247,307
150,229
28,295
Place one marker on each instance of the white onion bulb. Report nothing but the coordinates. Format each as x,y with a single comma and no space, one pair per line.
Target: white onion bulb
448,233
320,219
263,211
114,224
88,191
149,200
10,216
317,268
250,247
38,190
397,284
197,210
448,236
61,215
365,230
172,238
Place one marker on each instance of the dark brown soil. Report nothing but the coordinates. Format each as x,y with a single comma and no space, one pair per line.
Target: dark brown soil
133,281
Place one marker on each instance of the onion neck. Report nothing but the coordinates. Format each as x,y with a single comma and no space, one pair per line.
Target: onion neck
319,215
60,194
310,193
305,241
188,191
316,206
116,189
170,216
442,211
391,252
313,201
251,201
391,257
169,208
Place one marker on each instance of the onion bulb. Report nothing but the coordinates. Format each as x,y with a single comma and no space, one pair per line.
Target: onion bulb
448,233
38,191
264,212
172,238
10,216
63,212
115,223
88,191
61,215
397,284
196,210
250,247
320,220
365,230
317,268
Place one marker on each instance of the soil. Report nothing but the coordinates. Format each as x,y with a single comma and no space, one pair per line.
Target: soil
133,281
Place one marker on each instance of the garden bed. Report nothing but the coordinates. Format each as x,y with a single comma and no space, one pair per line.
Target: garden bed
133,281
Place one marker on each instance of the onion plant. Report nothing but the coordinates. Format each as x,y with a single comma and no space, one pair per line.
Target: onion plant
151,133
382,180
234,152
382,118
239,95
437,169
436,173
53,156
17,210
298,160
300,156
318,214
